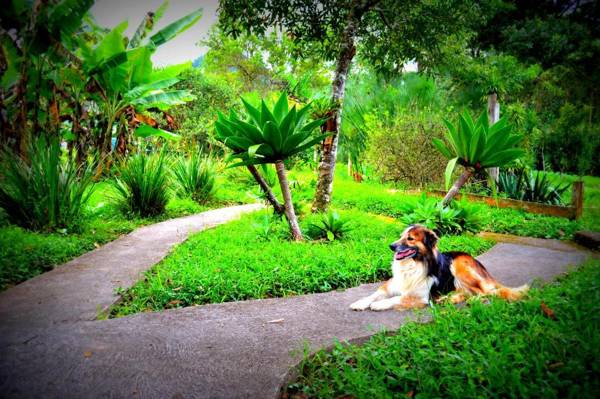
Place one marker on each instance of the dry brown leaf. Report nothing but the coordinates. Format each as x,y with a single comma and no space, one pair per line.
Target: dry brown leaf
410,394
174,302
547,311
97,245
87,354
276,321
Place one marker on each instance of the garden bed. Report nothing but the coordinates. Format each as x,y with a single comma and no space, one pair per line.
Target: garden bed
250,259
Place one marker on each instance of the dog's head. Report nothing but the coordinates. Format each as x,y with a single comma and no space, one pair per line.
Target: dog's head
416,242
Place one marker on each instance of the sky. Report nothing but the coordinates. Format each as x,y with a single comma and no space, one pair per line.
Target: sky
184,47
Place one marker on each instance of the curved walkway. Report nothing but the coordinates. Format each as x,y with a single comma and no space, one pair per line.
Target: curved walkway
51,346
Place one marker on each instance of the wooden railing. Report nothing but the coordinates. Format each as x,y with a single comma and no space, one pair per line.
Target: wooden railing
572,211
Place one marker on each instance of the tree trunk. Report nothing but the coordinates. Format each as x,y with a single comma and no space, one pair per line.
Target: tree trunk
493,116
464,177
329,149
290,214
280,209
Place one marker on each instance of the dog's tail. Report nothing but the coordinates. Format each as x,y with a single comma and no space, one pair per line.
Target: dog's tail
510,294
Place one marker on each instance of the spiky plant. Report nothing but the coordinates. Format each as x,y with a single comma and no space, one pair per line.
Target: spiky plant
270,135
195,177
476,146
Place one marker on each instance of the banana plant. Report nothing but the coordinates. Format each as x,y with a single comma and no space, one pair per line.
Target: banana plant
476,146
270,135
123,78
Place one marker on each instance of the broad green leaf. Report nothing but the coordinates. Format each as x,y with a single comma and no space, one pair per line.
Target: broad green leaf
238,143
13,64
449,170
163,100
145,88
253,149
501,158
281,107
148,131
309,127
171,71
287,125
309,144
330,235
253,112
272,135
175,28
248,130
441,147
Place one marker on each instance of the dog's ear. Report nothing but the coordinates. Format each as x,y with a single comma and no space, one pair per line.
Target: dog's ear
431,239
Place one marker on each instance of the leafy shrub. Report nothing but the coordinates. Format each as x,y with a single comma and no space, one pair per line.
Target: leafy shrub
401,149
43,193
142,184
330,226
195,177
454,219
530,186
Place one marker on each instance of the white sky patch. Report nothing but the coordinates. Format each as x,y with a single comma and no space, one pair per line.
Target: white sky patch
110,13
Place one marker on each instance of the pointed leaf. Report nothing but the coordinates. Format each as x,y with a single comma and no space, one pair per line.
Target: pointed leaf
449,170
175,28
281,107
148,131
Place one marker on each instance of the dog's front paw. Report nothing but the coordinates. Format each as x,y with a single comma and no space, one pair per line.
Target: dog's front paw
384,304
361,304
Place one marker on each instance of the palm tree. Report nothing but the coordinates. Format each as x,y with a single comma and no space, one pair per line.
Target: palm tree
476,146
270,136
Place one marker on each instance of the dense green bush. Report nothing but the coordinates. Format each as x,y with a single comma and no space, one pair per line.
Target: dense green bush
43,192
142,184
454,219
195,177
401,150
330,226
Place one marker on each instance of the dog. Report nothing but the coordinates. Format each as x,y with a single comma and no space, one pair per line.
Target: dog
421,272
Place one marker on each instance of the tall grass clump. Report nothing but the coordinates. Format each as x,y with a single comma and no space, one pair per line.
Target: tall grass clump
142,184
195,177
42,192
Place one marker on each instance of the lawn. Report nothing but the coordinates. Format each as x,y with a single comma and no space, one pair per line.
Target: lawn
546,346
25,254
252,258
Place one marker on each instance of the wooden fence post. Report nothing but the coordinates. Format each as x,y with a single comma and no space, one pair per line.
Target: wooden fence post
577,198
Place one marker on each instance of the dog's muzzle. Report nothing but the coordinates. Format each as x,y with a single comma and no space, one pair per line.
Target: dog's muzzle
403,252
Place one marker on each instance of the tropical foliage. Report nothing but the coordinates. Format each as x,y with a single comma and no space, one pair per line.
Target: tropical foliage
476,146
270,136
195,177
142,184
43,192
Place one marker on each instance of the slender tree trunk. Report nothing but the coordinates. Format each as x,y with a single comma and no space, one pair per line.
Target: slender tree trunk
493,116
464,177
290,214
329,149
280,209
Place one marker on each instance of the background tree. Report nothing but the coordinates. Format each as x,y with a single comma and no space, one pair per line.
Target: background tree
390,33
270,136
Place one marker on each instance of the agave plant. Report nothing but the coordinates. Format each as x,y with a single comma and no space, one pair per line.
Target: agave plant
476,146
270,136
531,186
331,226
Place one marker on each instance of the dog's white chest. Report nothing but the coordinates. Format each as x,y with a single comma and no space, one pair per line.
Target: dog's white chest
408,276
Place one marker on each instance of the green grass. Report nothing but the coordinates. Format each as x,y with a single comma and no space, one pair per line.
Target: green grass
494,349
249,259
384,199
25,254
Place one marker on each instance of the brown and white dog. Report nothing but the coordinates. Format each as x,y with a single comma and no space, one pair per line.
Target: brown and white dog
420,272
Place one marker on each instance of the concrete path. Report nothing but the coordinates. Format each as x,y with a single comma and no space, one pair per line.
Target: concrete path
51,347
